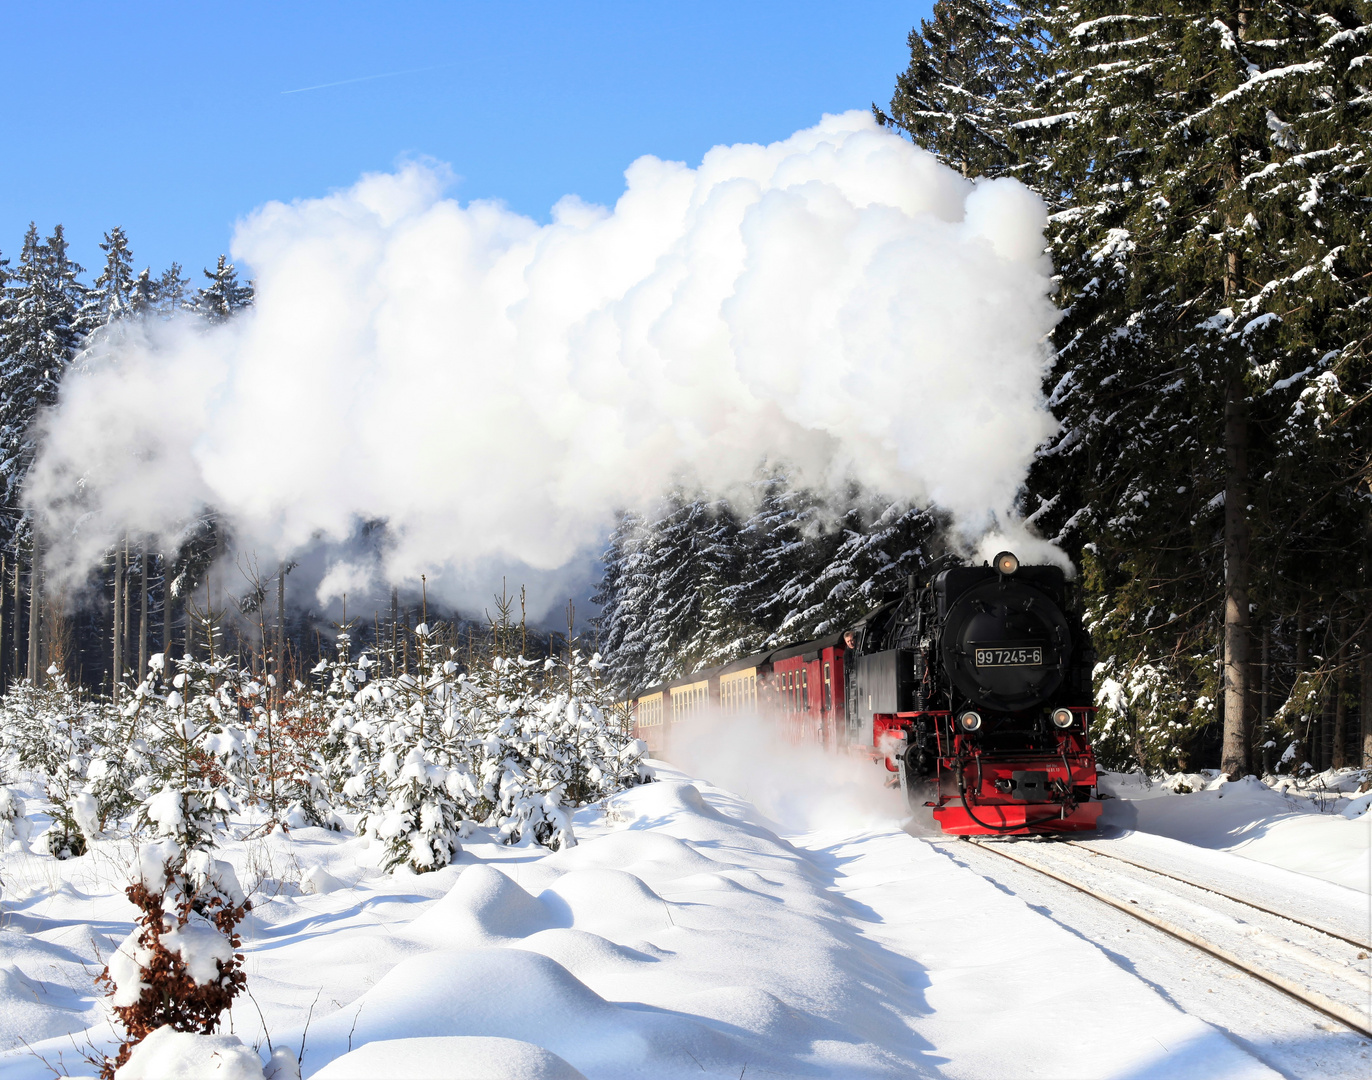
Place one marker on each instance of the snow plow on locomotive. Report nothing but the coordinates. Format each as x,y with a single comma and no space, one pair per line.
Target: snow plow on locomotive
973,688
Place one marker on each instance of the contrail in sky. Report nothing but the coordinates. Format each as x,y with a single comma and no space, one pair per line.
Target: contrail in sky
366,78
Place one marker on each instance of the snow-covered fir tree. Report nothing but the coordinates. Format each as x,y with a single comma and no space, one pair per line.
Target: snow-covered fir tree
112,296
701,583
198,748
973,66
224,296
47,729
1208,163
39,335
172,291
425,784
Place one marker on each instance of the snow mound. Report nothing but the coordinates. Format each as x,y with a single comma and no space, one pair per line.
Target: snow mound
319,881
577,950
613,900
168,1054
646,854
455,1057
28,1013
484,907
509,994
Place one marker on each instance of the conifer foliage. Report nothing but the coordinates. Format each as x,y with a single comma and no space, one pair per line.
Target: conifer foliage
1209,164
702,582
972,69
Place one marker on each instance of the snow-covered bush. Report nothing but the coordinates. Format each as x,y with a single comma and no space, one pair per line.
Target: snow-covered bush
427,782
12,824
180,966
442,744
282,761
519,753
47,729
197,765
511,744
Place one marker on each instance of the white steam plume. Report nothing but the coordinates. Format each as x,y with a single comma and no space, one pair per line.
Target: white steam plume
800,786
494,389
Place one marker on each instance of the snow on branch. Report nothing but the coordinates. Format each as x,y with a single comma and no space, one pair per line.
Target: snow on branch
1310,68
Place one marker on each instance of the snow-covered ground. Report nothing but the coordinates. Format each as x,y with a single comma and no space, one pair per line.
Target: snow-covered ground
690,935
1321,828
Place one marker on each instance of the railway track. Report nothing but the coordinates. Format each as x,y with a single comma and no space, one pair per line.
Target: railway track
1326,969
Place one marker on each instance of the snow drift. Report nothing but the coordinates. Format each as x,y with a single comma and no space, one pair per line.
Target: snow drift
682,939
495,389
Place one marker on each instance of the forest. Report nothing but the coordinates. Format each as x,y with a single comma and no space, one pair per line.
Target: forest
1205,166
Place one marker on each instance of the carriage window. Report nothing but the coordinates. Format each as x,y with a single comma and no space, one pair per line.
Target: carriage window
828,690
805,689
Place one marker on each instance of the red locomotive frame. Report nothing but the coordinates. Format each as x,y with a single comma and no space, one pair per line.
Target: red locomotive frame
972,795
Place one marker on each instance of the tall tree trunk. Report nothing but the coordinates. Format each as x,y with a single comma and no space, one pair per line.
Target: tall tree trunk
1302,653
281,628
1264,738
395,632
166,613
1323,743
278,709
128,601
1338,750
1235,759
143,613
18,609
1365,707
4,563
35,609
118,657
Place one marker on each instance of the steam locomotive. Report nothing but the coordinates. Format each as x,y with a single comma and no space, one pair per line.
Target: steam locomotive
973,688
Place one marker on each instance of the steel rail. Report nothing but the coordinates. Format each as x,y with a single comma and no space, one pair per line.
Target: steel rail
1342,1013
1228,896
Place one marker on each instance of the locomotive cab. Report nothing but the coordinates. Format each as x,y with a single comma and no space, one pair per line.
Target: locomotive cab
976,690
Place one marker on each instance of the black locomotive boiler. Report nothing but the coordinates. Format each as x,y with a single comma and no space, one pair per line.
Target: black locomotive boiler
976,686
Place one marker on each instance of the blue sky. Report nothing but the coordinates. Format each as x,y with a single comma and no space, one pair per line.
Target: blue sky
173,120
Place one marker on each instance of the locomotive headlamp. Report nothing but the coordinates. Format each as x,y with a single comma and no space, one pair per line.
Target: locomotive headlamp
1006,563
1063,717
969,721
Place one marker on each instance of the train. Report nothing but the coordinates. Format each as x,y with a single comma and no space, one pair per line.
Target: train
972,688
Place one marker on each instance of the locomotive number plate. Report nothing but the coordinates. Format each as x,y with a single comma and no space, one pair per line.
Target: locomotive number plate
1008,654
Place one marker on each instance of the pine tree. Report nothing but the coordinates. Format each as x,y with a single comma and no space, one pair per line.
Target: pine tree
972,67
143,294
623,596
696,586
112,296
224,297
38,339
170,293
789,544
1210,166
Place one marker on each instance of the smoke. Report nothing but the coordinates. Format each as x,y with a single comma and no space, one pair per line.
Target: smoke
494,390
